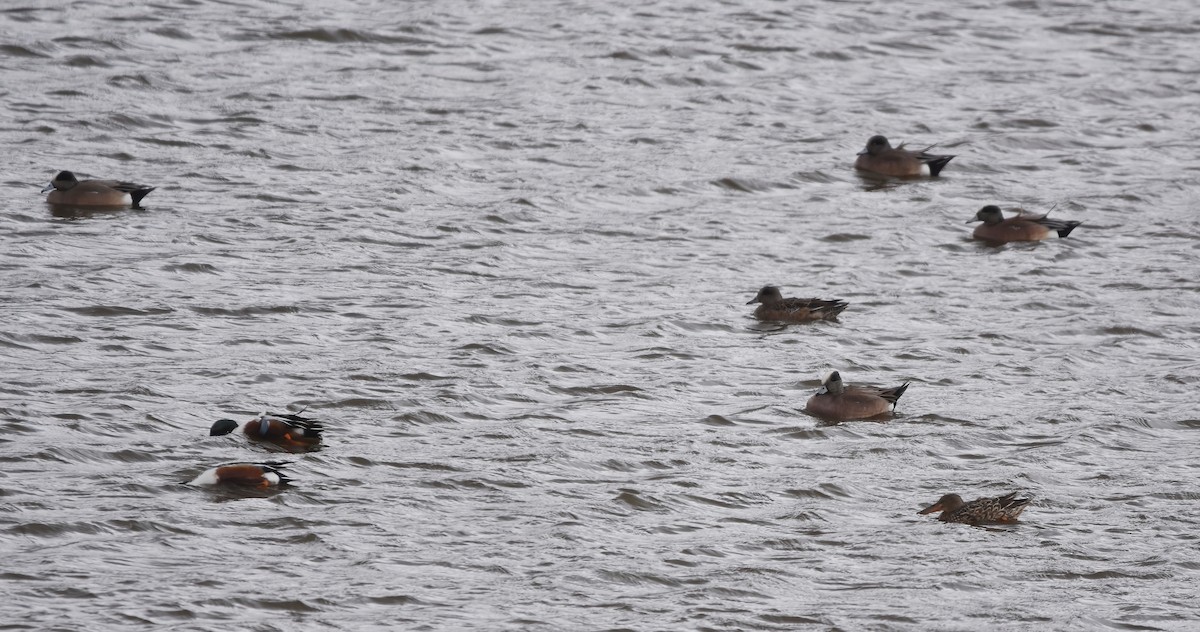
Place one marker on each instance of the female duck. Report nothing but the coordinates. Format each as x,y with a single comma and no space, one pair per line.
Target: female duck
772,306
1001,510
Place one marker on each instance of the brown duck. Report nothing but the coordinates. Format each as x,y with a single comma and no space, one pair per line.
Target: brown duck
880,157
65,189
838,402
773,306
995,228
1001,510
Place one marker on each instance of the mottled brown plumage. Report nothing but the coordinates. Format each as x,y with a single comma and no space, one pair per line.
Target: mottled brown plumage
794,310
1001,510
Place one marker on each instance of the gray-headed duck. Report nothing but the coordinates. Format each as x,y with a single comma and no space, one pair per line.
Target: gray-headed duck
880,157
995,228
838,402
67,190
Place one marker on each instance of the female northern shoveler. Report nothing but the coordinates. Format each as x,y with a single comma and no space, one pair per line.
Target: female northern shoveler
838,402
995,228
796,310
66,189
260,475
880,157
1001,510
292,432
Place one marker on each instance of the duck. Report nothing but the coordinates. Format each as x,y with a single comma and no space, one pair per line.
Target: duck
999,510
880,157
66,189
837,402
773,306
997,229
260,475
291,432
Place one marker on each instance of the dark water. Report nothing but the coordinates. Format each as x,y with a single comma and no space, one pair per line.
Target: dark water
503,251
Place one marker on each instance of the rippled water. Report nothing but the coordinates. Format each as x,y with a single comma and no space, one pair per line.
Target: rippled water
503,251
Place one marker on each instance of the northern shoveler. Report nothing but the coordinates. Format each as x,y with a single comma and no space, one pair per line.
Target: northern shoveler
1000,510
292,432
796,310
65,189
880,157
837,402
995,228
261,475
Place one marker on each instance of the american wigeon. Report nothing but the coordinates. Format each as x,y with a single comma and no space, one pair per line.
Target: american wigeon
995,228
796,310
880,157
838,402
259,475
1001,510
292,432
67,190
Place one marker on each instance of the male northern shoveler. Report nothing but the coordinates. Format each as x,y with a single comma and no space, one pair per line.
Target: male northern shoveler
880,157
292,432
995,228
65,189
795,310
260,475
1001,510
838,402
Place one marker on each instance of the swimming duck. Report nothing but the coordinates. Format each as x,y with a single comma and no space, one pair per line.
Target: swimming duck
286,431
1001,510
880,157
837,402
796,310
66,189
261,475
995,228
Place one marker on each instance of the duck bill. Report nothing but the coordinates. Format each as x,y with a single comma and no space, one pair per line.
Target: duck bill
48,187
753,302
973,220
930,509
862,153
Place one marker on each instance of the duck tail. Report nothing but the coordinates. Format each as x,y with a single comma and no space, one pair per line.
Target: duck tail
892,395
1061,226
1012,504
1067,228
276,468
937,164
138,194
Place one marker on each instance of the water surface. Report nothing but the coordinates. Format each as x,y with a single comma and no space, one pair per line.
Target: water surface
503,250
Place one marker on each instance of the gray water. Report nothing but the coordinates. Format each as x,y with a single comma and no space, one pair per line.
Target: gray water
503,250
